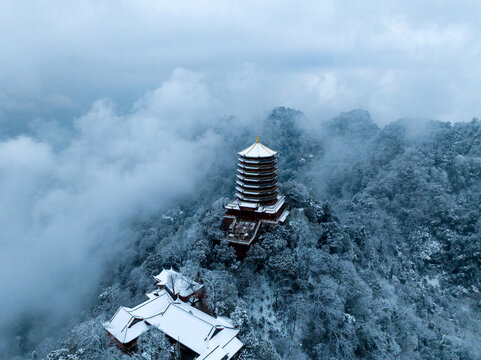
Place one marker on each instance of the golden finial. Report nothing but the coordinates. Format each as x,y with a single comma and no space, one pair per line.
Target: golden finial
257,140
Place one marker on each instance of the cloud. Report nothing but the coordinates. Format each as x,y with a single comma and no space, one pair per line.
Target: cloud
74,170
58,58
65,212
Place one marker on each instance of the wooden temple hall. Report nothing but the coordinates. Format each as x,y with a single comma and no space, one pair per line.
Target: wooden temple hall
257,201
172,310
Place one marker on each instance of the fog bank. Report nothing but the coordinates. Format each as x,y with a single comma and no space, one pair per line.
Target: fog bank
67,205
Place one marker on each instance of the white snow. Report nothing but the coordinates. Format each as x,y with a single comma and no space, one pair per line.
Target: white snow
236,204
152,307
154,294
271,173
257,150
257,161
434,282
218,350
182,325
233,347
177,283
283,216
182,322
248,205
253,186
121,327
240,176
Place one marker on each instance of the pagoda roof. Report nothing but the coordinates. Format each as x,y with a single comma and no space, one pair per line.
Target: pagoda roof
260,172
257,150
261,167
257,185
258,199
256,179
236,204
257,161
258,192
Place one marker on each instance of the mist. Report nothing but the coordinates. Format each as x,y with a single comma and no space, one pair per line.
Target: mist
111,112
68,206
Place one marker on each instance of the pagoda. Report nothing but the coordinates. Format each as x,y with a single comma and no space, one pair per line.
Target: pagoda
257,201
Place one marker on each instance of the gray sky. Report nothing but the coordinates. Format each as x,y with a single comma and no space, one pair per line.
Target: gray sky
141,84
395,59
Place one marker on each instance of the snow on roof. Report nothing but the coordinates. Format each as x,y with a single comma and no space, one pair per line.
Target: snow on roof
226,345
124,326
152,307
272,209
284,216
216,353
257,150
212,338
257,161
236,204
153,294
242,177
182,325
225,321
233,347
248,205
177,283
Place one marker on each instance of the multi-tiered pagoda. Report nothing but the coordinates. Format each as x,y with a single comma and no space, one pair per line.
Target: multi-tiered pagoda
258,201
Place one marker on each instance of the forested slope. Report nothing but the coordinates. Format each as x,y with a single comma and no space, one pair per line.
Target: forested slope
379,259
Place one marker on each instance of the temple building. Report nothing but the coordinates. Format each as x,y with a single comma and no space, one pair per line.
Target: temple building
178,286
257,201
199,335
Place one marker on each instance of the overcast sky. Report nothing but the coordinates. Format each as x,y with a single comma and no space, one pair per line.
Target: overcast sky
108,110
395,59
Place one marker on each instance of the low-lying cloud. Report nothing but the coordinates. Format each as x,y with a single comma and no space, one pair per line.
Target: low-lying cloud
66,209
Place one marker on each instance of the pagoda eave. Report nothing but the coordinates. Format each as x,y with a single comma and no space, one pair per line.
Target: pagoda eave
257,178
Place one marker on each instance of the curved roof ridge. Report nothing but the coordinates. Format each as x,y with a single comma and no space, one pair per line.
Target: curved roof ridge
257,150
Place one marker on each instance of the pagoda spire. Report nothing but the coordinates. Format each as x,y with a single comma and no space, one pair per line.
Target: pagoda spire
257,139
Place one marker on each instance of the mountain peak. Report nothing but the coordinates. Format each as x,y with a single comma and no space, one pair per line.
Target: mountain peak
356,123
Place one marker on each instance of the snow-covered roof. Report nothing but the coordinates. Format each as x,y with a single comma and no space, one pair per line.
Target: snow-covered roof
256,179
154,294
212,338
257,161
220,345
193,328
124,326
152,307
236,204
177,283
257,150
249,205
284,216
